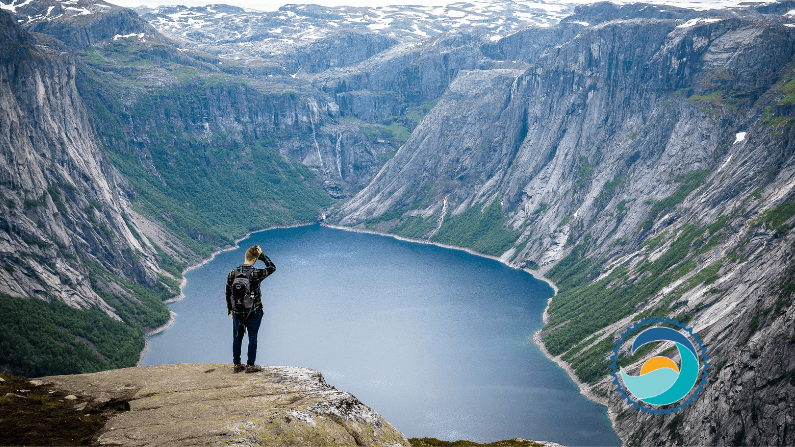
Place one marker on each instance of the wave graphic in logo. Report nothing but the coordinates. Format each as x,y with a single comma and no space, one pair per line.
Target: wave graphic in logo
661,381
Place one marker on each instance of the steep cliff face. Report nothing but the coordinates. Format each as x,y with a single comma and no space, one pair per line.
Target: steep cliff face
644,164
68,230
61,196
159,107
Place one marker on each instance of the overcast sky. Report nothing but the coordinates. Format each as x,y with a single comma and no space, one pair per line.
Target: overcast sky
272,5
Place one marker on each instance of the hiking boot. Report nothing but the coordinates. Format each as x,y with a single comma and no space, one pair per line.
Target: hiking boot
239,367
253,368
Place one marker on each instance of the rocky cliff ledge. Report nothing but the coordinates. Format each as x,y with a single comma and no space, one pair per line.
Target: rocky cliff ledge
205,403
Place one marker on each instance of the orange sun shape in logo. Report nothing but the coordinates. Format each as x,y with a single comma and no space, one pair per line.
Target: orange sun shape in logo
656,363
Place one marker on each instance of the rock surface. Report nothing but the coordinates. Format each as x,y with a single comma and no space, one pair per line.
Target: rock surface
207,404
62,198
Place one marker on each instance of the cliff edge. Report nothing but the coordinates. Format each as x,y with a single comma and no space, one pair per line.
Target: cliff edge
205,403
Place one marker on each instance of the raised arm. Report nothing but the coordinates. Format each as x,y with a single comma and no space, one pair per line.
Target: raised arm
270,267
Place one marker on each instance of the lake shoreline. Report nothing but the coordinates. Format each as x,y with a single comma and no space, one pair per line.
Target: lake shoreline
536,338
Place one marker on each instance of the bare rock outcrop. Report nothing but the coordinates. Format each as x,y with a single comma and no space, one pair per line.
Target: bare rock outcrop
207,404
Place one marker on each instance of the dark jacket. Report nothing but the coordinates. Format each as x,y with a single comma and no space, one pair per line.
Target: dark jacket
257,275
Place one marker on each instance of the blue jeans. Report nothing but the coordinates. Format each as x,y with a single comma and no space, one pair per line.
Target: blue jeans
239,326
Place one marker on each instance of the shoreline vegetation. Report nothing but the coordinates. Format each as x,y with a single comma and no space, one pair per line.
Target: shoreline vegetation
536,338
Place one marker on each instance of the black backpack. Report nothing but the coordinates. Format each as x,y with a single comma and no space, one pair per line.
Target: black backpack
242,295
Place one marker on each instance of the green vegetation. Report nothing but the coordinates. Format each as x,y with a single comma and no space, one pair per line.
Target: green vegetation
584,171
240,190
573,352
530,264
394,132
417,114
139,306
706,276
386,156
776,218
480,228
372,223
39,338
689,182
168,263
776,123
414,227
206,189
36,241
789,89
584,307
609,188
30,203
594,363
715,102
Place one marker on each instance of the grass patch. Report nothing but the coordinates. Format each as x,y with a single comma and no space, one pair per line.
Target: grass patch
417,114
775,218
414,227
480,228
716,102
394,133
609,188
584,170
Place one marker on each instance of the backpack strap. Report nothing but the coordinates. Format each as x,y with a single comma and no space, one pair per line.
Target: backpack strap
247,273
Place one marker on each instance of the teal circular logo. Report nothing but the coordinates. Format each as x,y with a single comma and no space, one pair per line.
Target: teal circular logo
662,382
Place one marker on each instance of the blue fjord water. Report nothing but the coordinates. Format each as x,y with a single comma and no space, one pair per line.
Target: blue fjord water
437,341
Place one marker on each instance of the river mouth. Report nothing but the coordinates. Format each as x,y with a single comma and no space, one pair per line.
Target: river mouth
438,341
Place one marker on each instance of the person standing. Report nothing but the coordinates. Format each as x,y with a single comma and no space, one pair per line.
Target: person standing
244,304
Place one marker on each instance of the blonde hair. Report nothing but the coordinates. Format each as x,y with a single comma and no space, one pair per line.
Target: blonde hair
252,254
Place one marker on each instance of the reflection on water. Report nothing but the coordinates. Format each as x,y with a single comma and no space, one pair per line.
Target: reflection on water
437,341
